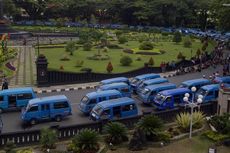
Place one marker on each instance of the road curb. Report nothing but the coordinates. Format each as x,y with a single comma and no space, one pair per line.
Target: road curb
64,89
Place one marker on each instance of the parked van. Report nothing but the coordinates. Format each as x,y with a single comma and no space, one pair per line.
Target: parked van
170,98
124,88
114,80
46,108
195,83
114,109
148,93
136,81
224,79
15,98
151,82
91,99
209,92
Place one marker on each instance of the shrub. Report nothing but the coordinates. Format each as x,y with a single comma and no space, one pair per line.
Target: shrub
65,58
126,61
138,141
98,57
70,47
122,39
129,51
87,46
221,123
187,42
151,125
205,45
48,138
86,140
109,67
86,70
183,120
113,46
177,37
79,63
138,58
147,45
198,52
61,67
180,56
117,132
142,38
164,33
105,49
118,33
215,136
81,41
151,61
9,147
164,136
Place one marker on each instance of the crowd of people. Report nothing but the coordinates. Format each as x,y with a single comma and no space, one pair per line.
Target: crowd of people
205,60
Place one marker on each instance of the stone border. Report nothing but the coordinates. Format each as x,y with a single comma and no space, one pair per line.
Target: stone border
183,135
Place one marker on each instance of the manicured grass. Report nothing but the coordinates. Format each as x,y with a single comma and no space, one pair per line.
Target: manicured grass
197,144
171,51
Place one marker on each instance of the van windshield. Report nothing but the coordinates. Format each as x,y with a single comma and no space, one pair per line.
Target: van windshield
202,92
28,107
97,109
134,80
160,98
145,91
183,86
85,99
141,85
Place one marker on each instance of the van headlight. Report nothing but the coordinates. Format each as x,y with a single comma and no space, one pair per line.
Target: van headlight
93,115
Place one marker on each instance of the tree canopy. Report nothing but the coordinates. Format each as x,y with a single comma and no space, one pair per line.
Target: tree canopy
176,13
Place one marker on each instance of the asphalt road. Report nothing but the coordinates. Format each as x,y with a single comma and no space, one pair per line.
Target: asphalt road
12,121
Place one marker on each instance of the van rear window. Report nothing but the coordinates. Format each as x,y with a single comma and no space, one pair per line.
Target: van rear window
1,98
60,105
24,96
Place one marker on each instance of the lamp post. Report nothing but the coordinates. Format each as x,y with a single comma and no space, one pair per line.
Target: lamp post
192,104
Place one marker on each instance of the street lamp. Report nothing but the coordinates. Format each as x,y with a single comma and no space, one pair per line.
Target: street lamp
192,104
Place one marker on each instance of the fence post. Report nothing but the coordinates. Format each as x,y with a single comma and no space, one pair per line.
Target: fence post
42,73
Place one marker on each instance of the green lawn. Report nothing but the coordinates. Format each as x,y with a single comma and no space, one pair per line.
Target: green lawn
197,144
55,54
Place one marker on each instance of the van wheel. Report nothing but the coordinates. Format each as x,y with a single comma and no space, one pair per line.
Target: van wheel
58,118
33,121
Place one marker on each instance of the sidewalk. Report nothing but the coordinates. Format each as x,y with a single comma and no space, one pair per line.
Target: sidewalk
26,68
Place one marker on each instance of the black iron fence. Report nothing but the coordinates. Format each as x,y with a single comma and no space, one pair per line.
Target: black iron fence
31,137
57,77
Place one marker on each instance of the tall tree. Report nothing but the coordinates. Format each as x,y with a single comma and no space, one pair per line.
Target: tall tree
221,14
34,8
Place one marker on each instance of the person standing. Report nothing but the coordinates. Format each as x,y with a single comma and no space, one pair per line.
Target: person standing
4,84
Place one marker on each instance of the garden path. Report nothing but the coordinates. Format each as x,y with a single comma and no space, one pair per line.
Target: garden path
25,74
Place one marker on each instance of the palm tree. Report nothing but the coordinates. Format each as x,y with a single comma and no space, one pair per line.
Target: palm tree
151,125
86,141
117,132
